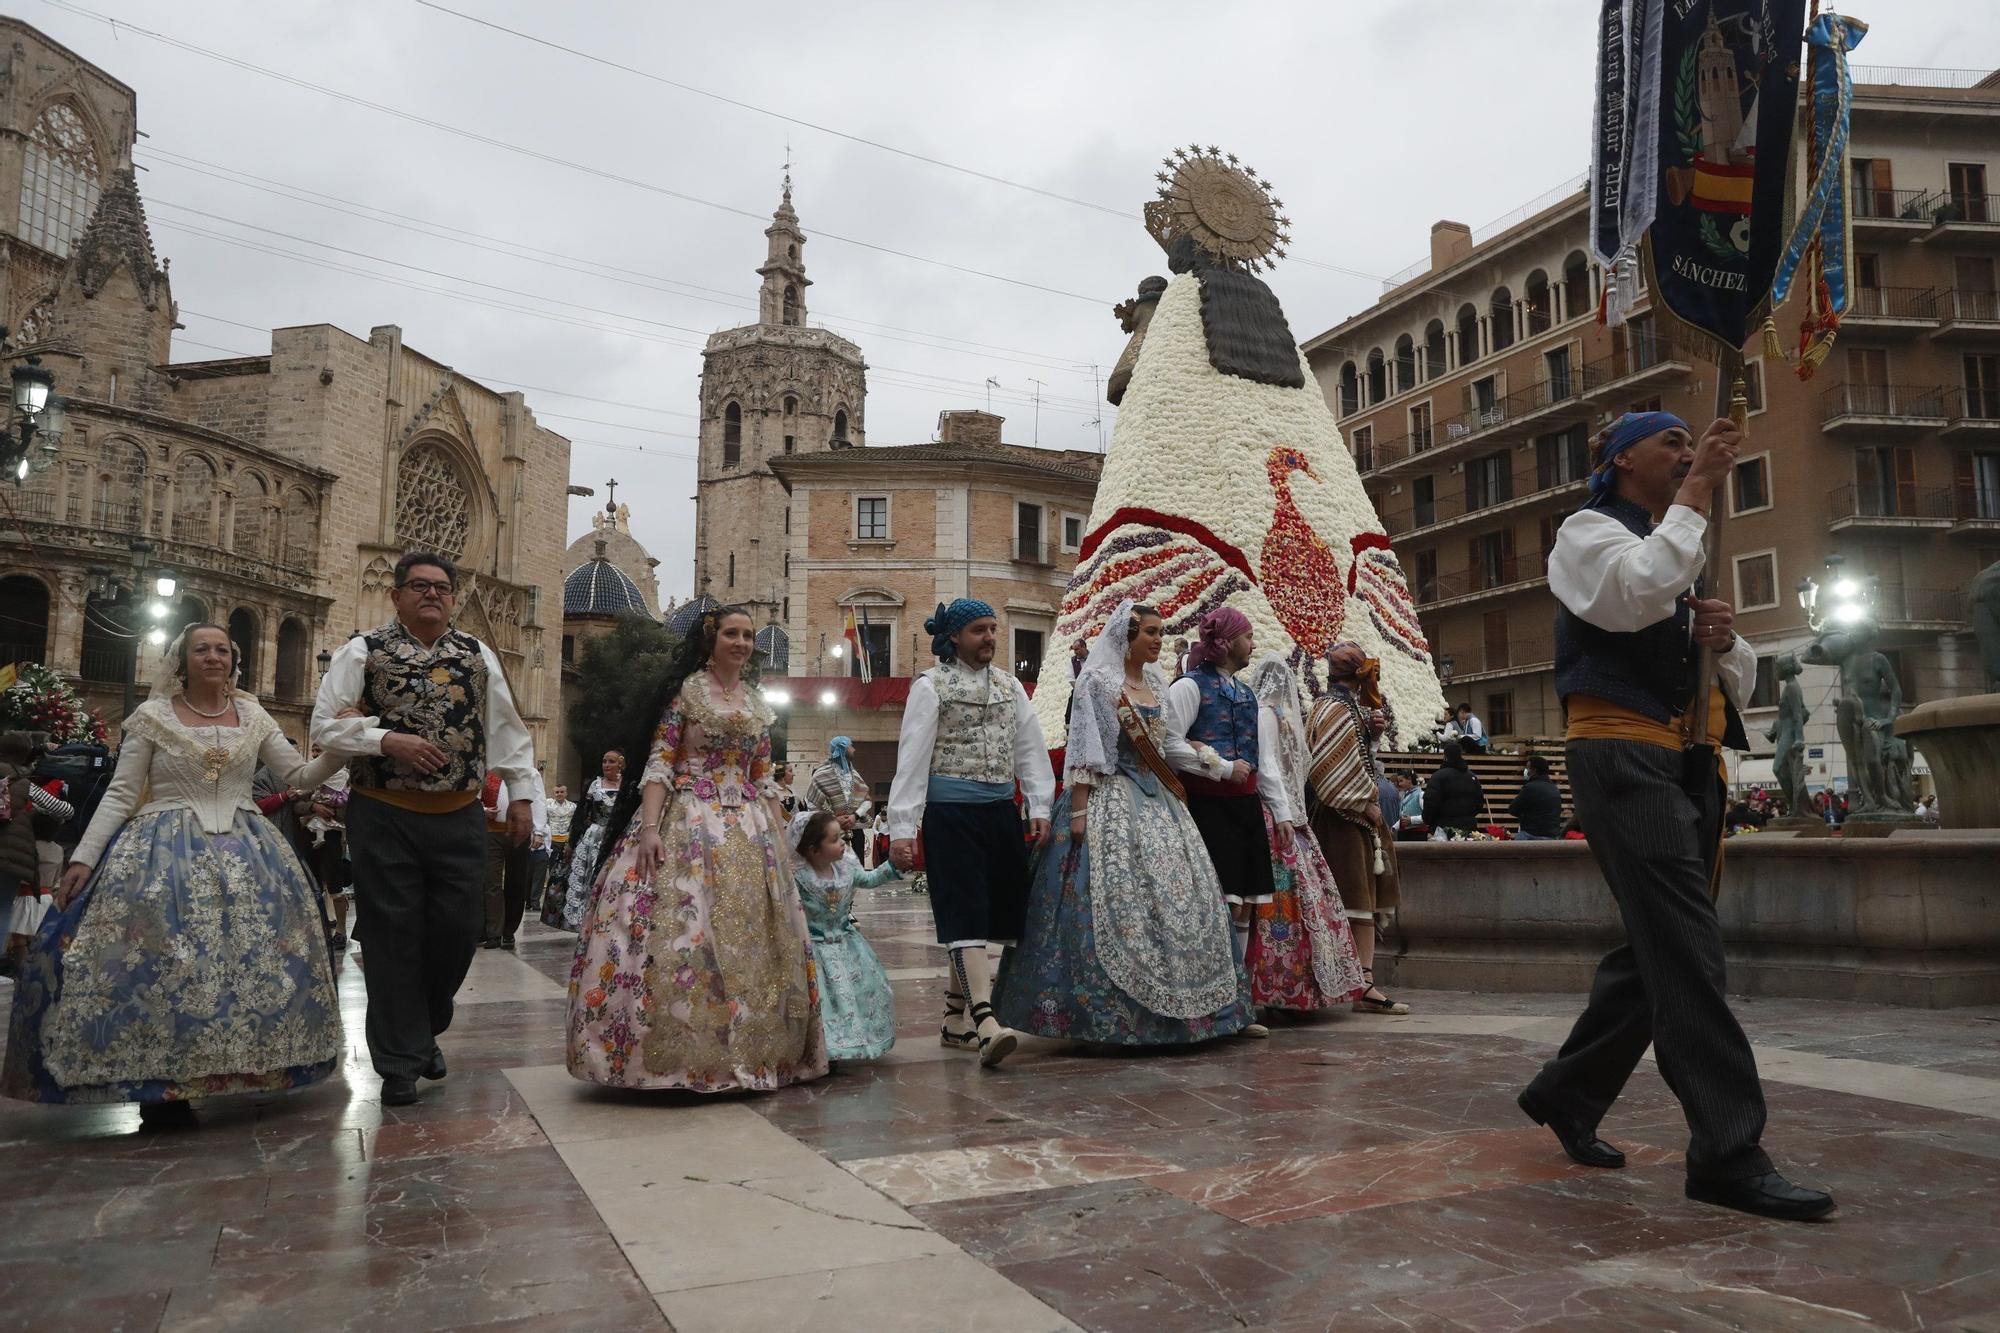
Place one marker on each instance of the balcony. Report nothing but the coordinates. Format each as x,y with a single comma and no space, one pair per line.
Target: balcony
1403,520
107,666
1967,316
1975,414
1963,219
1498,578
1923,609
1510,659
1883,408
1031,551
1890,213
1899,508
1891,311
1975,511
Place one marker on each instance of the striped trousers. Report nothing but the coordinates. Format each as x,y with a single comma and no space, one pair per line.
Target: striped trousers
1664,985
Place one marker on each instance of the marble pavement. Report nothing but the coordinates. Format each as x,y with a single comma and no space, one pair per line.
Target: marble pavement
1351,1173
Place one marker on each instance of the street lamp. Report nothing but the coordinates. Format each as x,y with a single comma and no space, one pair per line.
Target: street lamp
325,660
777,696
1848,601
827,698
1444,669
29,442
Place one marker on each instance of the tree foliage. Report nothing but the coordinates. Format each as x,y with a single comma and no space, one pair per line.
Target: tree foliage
617,676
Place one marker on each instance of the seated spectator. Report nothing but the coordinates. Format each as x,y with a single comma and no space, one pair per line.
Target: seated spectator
1537,808
1466,728
1409,809
1453,798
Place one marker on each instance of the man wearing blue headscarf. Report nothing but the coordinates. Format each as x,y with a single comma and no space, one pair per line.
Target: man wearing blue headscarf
968,736
1632,618
838,788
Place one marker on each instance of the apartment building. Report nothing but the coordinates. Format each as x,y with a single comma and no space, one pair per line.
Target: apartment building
1469,393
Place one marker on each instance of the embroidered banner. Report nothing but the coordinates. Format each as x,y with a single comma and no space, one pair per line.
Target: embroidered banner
1728,102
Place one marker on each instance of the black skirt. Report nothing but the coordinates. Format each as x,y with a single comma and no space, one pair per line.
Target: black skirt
976,862
1232,827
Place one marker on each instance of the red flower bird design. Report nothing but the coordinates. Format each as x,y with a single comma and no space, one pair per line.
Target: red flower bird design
1301,577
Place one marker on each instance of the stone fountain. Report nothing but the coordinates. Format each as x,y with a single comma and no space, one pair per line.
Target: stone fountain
1961,737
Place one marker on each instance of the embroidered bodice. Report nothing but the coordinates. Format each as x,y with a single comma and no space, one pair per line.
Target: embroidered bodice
206,770
975,727
729,762
1227,722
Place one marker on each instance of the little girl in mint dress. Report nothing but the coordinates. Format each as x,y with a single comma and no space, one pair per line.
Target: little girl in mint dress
857,1009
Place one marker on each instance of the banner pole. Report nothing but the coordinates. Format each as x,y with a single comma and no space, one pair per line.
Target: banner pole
1732,401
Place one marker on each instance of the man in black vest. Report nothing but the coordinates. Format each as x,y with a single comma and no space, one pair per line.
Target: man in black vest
438,715
1631,620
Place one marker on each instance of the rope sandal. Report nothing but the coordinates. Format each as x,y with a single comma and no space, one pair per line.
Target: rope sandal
993,1049
1367,1004
954,1007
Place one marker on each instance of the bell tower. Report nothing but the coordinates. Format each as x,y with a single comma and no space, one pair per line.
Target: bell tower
768,389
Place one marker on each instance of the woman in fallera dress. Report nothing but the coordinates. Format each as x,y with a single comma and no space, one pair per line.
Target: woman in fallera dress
693,969
185,957
1127,938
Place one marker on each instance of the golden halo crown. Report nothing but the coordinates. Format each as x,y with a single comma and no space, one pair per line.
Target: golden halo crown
1209,197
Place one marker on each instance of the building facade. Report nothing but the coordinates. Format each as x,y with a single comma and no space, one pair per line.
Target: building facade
887,533
279,489
1470,392
770,390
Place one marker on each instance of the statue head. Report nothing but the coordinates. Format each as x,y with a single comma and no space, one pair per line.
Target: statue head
1787,667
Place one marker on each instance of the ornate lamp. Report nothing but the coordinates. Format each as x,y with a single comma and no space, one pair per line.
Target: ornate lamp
30,441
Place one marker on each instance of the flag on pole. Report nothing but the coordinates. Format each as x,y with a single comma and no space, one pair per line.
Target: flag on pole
1729,101
852,633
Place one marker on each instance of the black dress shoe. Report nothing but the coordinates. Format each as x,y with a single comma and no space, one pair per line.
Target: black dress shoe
489,944
166,1115
434,1067
1585,1149
1768,1195
507,943
399,1092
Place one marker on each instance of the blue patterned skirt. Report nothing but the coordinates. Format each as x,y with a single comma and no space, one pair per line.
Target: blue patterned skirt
191,965
1055,984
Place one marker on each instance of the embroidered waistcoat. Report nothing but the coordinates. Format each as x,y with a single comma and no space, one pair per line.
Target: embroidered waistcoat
1650,671
438,693
1227,722
975,735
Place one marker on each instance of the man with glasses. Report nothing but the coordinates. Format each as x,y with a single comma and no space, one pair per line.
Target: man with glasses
426,711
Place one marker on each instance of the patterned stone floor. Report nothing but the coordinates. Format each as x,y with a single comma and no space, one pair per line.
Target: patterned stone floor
1350,1174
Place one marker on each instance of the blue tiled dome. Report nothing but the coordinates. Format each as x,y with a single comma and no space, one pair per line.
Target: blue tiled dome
684,616
600,588
774,649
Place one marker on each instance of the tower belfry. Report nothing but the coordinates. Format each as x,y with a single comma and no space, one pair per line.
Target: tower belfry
768,389
782,298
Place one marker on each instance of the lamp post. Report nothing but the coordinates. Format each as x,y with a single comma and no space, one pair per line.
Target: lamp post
1849,601
30,440
1444,664
105,585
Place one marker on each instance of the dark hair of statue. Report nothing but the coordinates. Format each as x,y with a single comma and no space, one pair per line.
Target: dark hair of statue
814,833
695,651
187,642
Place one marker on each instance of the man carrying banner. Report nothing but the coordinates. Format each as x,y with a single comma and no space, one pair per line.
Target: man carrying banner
1629,628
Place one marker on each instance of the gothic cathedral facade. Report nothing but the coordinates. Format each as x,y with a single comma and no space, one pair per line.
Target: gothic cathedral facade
768,389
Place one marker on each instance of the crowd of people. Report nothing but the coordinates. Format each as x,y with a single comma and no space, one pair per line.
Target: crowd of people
1207,851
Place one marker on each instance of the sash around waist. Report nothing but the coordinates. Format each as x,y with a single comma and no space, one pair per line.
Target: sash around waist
966,791
1591,718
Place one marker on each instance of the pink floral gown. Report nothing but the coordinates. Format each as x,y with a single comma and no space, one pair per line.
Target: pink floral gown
701,978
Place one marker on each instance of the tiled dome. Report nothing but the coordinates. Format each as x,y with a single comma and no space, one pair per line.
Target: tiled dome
600,588
684,616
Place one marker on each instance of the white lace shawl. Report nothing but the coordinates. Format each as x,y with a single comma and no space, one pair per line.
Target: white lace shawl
1094,727
1277,689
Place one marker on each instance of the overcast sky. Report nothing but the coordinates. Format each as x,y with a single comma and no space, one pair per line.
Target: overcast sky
1371,121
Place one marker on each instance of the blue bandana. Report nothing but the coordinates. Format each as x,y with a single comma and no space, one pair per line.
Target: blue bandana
840,751
1627,431
949,620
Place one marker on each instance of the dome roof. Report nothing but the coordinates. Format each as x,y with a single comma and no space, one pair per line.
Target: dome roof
683,617
600,588
774,647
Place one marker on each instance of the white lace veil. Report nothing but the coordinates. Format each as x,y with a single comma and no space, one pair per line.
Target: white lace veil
1093,721
1277,689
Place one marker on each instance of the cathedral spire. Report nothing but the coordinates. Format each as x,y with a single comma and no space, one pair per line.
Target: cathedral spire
782,298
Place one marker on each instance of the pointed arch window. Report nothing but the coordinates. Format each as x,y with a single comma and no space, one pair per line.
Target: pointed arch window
60,180
791,304
732,435
840,426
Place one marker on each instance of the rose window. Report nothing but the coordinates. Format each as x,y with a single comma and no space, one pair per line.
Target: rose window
433,507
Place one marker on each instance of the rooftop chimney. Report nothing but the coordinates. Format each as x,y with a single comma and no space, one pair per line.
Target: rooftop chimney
1450,242
979,428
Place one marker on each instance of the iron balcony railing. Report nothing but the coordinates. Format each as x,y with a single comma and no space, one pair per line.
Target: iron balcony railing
1972,307
31,506
1890,205
1893,303
1964,207
107,666
1975,404
1897,605
1889,502
1975,503
1487,576
1896,401
1030,551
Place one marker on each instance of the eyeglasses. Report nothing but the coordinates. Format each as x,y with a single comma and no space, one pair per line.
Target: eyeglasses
422,586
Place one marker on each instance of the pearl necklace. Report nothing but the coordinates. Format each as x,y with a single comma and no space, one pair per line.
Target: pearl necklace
227,704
